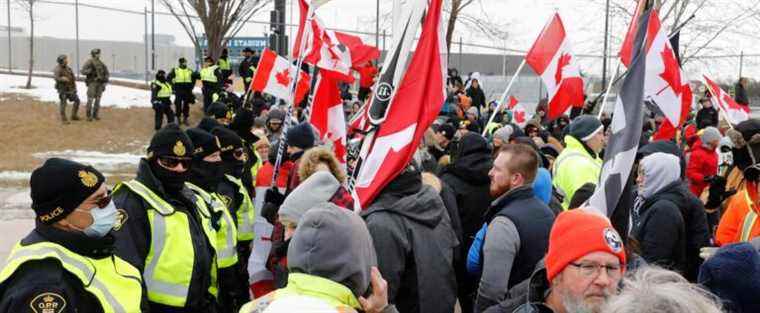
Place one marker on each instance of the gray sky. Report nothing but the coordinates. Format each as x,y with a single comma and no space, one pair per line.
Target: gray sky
523,19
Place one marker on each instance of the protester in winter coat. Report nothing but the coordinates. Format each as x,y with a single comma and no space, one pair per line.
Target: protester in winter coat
693,211
657,224
415,247
703,162
739,221
579,162
476,94
581,245
518,225
741,92
733,274
332,264
467,177
654,290
707,116
274,125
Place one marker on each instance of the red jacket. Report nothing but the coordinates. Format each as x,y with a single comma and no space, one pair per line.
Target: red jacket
703,162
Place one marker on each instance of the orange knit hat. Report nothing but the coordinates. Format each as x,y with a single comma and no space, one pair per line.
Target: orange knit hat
576,233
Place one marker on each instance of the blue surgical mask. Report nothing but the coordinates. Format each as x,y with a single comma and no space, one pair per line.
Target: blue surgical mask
103,221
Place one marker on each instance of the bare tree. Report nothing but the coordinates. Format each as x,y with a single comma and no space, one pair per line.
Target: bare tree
28,6
479,22
221,19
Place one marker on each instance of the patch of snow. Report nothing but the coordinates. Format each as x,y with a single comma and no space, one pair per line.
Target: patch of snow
15,175
100,160
113,96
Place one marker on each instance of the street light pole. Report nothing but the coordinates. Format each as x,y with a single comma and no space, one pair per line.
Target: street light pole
10,45
153,34
76,23
606,31
377,23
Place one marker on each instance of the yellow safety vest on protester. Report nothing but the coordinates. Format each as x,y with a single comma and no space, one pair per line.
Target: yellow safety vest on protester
168,271
246,212
224,64
207,74
573,168
114,282
226,236
306,293
749,220
182,75
165,91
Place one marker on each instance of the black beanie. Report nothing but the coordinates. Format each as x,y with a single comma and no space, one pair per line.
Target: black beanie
170,141
208,124
584,127
447,131
229,141
219,110
300,136
205,143
59,186
242,124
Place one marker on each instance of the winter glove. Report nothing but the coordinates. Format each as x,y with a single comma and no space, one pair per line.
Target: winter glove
272,201
717,192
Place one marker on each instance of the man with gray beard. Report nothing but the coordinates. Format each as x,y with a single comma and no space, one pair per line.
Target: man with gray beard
584,266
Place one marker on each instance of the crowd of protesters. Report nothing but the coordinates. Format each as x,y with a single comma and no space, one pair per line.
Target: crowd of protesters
487,217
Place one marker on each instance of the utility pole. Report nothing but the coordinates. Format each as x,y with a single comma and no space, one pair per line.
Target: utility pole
741,64
76,23
606,32
153,34
145,39
377,23
10,46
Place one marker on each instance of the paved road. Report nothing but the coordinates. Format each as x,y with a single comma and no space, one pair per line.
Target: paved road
13,231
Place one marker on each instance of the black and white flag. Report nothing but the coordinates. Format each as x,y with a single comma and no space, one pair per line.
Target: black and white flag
627,120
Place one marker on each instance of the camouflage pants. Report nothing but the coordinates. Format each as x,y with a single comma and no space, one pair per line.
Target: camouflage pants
94,91
63,97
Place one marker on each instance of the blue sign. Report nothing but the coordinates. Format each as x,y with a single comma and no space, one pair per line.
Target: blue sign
236,45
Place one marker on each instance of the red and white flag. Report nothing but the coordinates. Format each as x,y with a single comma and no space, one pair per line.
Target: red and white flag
361,53
321,46
664,84
734,112
274,75
519,114
414,106
327,116
551,58
626,51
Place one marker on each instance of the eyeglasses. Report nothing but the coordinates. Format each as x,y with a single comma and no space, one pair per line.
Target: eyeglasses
592,270
239,153
170,162
104,200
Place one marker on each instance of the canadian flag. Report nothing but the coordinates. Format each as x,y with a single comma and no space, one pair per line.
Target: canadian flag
327,116
735,113
322,47
519,114
664,84
274,75
552,58
626,51
414,106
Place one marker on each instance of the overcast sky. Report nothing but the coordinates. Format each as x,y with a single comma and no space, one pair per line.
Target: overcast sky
522,19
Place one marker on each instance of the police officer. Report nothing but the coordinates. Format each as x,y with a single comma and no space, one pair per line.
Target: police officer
225,67
168,232
211,78
67,263
183,80
220,112
65,84
207,172
96,79
233,192
160,98
247,67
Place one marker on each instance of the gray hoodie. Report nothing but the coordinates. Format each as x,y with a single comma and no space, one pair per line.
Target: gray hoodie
333,243
660,170
318,188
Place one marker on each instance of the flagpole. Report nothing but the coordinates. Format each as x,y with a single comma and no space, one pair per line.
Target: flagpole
502,100
293,84
607,92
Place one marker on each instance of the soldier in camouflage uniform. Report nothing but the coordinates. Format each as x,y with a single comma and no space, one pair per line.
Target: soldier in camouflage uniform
65,84
96,79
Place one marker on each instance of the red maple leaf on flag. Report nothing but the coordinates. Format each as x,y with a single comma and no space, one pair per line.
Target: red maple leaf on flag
520,117
512,102
283,78
672,71
563,61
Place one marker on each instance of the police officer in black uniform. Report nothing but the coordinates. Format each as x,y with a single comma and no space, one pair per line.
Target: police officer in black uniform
67,263
179,270
247,67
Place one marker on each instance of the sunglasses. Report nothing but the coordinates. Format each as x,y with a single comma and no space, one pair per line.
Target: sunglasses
239,153
170,162
104,200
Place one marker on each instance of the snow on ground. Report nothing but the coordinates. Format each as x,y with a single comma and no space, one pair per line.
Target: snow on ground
100,160
14,175
114,96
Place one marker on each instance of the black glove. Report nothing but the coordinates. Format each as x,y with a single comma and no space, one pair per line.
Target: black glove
273,195
717,192
709,179
272,201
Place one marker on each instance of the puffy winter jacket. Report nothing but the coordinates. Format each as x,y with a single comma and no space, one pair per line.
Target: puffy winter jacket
703,162
573,168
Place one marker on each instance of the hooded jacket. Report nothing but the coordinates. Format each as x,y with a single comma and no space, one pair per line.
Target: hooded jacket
658,226
703,162
574,167
468,178
408,227
330,259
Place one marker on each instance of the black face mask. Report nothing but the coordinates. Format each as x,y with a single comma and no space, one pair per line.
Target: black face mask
206,175
234,168
172,181
161,78
182,65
